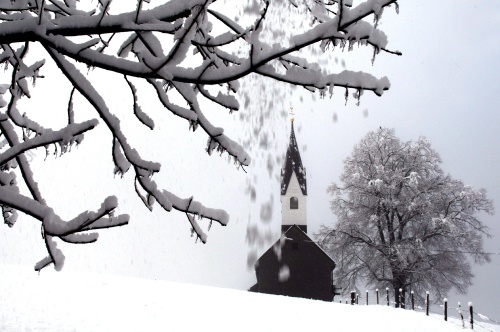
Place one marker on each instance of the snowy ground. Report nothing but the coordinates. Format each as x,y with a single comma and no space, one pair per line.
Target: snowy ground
82,302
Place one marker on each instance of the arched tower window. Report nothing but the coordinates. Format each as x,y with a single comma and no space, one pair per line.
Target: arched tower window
294,203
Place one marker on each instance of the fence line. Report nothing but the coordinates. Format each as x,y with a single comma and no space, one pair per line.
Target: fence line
469,321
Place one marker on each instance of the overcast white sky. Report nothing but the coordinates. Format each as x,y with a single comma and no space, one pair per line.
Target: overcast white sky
443,87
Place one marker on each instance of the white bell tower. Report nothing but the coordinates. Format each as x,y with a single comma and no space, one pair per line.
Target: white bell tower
293,188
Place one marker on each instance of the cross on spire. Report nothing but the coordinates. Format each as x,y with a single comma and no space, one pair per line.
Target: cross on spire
292,114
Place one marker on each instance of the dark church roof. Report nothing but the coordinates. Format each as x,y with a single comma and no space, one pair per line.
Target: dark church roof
293,163
294,233
295,266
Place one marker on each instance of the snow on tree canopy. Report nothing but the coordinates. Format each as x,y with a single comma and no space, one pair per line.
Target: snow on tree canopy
401,221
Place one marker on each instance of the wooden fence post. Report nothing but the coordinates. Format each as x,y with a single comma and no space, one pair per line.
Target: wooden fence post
427,303
367,297
471,313
387,290
357,298
445,309
412,301
377,294
461,315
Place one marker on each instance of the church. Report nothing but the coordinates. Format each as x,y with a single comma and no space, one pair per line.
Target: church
295,265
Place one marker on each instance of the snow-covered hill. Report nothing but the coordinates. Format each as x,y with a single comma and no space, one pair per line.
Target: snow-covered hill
83,302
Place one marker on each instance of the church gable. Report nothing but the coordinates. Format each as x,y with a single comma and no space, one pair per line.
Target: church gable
295,237
295,266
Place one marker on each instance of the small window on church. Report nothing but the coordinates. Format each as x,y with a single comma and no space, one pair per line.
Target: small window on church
294,203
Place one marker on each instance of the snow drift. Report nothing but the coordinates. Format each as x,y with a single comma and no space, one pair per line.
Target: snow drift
67,301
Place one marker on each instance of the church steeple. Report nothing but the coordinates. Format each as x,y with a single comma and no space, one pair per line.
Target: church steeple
293,163
293,187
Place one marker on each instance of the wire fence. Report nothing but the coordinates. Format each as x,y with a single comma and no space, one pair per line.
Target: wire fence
469,318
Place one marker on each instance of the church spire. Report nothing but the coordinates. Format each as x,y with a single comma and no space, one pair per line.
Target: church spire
293,163
293,188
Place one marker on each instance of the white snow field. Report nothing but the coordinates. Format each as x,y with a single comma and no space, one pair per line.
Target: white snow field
68,301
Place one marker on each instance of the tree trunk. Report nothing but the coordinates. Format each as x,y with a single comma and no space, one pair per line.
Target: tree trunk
398,283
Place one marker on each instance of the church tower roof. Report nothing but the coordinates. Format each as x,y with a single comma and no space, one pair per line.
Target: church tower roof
292,164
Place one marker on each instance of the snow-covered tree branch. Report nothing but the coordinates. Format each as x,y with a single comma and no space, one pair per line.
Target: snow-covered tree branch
402,222
185,50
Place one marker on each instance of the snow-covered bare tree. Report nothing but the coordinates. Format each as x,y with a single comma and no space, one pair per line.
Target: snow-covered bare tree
401,221
188,49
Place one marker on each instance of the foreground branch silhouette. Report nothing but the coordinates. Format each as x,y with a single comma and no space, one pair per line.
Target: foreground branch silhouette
71,32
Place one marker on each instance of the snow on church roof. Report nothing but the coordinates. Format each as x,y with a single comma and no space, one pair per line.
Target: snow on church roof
292,164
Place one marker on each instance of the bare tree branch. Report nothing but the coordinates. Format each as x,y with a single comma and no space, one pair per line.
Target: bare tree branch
173,47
